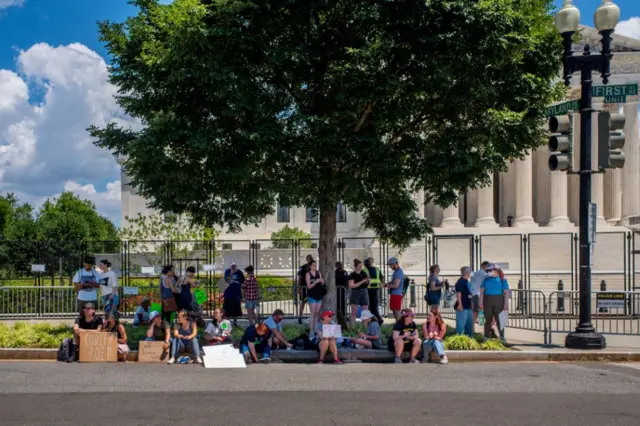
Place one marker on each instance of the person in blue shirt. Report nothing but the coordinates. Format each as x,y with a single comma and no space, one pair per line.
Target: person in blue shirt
434,288
494,298
464,303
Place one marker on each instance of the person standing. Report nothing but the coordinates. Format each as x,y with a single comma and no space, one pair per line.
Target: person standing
185,283
108,287
464,302
358,296
85,282
167,295
302,286
342,286
434,288
476,282
494,298
395,286
375,276
250,294
316,290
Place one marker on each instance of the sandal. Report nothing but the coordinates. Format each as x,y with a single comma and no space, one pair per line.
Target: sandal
337,361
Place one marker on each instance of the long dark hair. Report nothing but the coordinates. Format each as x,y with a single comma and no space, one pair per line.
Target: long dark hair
215,320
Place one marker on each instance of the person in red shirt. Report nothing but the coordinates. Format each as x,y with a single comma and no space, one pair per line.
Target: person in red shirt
250,294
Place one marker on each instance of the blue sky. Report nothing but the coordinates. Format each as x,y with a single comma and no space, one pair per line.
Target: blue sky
53,85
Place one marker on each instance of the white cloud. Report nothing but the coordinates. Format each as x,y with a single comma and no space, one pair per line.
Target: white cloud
630,27
45,148
9,3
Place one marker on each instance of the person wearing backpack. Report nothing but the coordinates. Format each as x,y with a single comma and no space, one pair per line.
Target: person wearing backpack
302,286
396,288
86,281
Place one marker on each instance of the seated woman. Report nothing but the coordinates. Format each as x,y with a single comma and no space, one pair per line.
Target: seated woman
255,340
326,343
405,337
185,334
88,320
218,331
112,325
159,330
141,316
433,332
370,339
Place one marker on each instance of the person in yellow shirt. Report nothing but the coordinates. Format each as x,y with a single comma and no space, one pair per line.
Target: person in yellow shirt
375,281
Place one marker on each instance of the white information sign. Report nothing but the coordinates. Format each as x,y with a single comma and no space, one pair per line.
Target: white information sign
130,291
148,270
331,330
37,268
208,268
223,356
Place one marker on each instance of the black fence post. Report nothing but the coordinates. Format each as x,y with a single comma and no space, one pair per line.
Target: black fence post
603,287
522,301
412,294
560,307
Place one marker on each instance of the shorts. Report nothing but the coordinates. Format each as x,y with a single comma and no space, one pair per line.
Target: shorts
312,301
123,348
476,303
359,296
408,346
250,304
375,344
395,302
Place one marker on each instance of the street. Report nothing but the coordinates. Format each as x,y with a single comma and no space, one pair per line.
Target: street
36,393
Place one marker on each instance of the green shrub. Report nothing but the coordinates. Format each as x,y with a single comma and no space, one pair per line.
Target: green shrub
23,335
493,345
460,342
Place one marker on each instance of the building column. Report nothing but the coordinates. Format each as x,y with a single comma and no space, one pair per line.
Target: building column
613,196
631,170
451,217
559,200
524,192
486,218
597,180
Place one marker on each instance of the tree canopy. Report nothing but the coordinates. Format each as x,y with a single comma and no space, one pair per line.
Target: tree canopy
316,102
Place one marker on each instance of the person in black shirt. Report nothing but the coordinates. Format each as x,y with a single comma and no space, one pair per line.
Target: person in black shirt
342,286
405,337
358,283
302,286
464,305
88,320
255,340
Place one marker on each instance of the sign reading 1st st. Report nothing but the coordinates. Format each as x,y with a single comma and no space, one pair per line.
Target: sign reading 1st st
611,94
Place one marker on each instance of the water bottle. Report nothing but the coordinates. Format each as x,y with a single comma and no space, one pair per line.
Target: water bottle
481,317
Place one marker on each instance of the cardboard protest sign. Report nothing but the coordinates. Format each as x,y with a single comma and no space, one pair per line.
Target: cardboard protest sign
96,346
223,356
200,295
152,352
331,330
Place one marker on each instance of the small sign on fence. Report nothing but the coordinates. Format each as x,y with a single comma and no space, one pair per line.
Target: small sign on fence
610,300
208,268
37,268
130,291
148,270
152,352
96,346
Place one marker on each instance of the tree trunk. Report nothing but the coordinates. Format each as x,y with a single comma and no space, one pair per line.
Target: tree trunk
327,255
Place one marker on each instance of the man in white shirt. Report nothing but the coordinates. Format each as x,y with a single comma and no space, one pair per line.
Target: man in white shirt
85,282
476,282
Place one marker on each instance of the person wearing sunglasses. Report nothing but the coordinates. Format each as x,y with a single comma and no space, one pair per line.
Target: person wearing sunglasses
494,298
88,320
405,337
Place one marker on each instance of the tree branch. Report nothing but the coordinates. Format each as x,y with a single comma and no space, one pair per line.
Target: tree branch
367,110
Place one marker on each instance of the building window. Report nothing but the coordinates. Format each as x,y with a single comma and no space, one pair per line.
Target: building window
283,214
227,246
312,217
341,213
170,217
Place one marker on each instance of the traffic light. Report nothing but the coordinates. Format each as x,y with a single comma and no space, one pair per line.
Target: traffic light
561,143
610,140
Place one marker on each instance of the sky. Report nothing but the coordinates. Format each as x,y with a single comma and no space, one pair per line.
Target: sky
54,84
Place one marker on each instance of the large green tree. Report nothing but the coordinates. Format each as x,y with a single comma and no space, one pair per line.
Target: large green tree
316,102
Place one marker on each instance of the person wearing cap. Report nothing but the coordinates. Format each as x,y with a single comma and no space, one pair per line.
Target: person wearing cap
476,282
141,315
375,282
358,295
112,325
88,320
464,303
405,337
327,343
159,330
86,281
395,287
370,339
494,298
255,340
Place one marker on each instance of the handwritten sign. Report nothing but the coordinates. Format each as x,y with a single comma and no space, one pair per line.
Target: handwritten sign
331,330
130,291
152,352
96,346
223,356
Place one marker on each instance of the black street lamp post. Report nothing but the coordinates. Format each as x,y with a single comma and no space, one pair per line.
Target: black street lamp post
567,21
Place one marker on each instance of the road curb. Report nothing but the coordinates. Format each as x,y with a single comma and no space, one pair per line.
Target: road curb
382,356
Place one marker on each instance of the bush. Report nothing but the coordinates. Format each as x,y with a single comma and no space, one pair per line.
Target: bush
460,342
23,335
493,345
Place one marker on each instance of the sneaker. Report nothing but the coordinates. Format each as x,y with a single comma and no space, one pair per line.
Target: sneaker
359,346
197,361
397,361
320,362
337,361
172,360
414,361
444,360
265,360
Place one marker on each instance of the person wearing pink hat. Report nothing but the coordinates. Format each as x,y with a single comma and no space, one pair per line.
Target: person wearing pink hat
327,343
405,337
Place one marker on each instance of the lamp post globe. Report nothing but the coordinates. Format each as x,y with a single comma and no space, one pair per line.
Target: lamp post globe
607,16
568,18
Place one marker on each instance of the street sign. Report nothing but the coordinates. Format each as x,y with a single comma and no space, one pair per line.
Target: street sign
610,300
615,93
563,108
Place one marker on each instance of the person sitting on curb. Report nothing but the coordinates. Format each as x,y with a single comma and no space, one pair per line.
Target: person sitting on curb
370,339
405,337
88,320
274,322
255,340
112,325
185,334
141,316
433,332
218,331
326,343
159,330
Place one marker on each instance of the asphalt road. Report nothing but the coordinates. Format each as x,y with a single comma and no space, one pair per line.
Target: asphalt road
39,393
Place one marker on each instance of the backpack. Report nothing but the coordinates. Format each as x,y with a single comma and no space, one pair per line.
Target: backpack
67,351
405,285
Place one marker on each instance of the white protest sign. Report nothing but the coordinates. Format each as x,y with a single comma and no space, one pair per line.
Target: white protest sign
148,270
130,291
37,268
331,330
223,356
